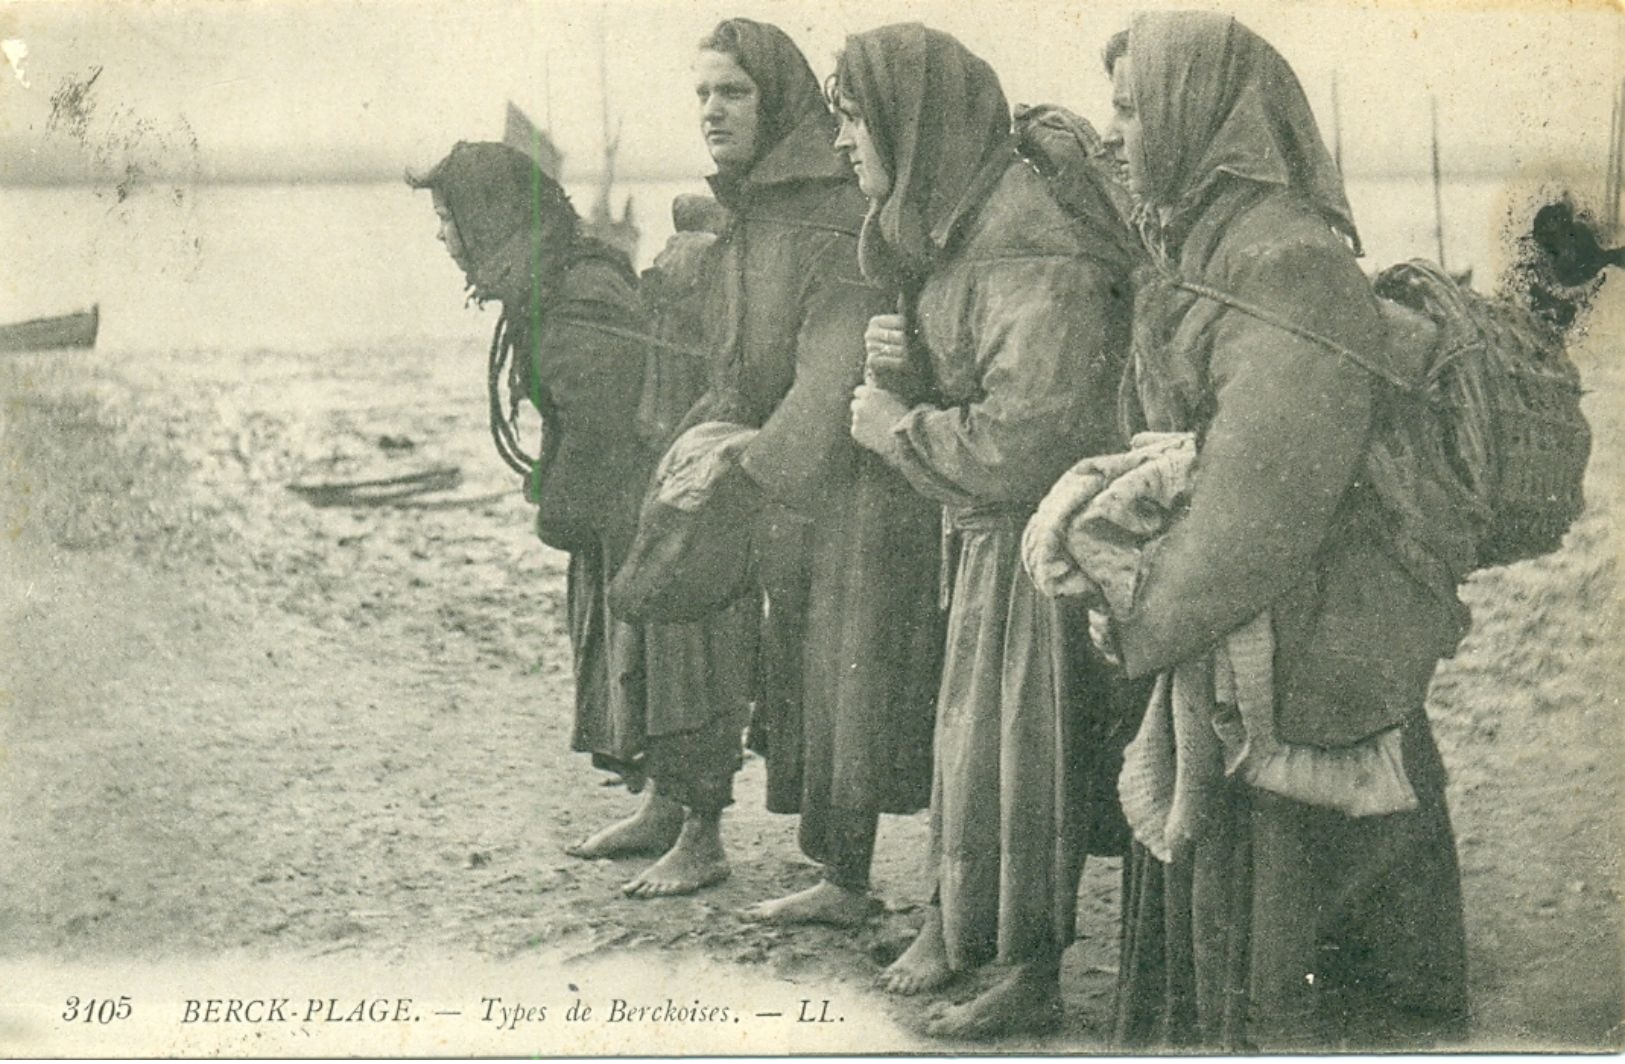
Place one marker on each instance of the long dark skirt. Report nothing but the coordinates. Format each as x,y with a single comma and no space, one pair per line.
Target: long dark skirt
666,700
851,660
608,667
1028,738
1295,927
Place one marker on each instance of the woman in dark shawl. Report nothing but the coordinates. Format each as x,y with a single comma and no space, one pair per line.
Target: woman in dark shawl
568,307
845,552
757,97
1281,923
1017,315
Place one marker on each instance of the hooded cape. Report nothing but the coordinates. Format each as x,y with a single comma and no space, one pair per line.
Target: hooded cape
788,93
1215,98
503,205
941,124
796,192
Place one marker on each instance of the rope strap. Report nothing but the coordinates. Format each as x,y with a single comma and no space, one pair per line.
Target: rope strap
1270,317
628,334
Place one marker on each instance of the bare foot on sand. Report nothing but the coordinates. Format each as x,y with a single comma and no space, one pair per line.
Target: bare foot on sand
695,862
824,903
651,830
1026,1001
924,965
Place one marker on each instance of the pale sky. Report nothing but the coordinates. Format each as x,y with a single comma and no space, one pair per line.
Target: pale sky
401,80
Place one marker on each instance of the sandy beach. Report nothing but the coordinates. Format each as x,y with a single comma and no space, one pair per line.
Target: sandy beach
236,724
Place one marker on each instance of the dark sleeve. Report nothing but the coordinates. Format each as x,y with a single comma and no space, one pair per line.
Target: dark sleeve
807,440
1049,337
1287,436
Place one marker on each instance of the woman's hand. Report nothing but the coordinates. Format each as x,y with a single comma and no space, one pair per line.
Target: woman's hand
875,412
885,343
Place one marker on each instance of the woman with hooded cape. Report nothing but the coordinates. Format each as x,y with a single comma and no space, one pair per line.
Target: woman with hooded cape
1018,314
844,552
1282,923
570,318
649,698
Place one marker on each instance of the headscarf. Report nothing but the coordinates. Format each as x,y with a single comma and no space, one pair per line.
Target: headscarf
1215,98
510,216
787,90
939,120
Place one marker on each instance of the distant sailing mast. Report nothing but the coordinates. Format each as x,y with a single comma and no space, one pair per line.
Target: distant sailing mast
1438,196
616,232
1337,127
1616,160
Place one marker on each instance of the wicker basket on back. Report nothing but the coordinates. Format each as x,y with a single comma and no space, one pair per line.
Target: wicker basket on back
1508,399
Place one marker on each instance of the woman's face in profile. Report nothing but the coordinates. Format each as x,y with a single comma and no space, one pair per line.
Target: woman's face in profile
853,140
449,235
1124,133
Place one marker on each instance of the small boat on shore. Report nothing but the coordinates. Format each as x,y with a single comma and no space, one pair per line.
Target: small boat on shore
47,334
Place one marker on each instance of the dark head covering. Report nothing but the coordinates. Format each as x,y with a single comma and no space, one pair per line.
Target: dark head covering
939,120
510,216
1214,98
787,89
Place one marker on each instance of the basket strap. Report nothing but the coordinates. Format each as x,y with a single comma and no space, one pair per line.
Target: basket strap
628,334
1270,317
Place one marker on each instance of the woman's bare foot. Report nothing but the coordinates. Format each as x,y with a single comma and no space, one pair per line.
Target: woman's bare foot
1026,1001
650,831
695,862
924,965
824,903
